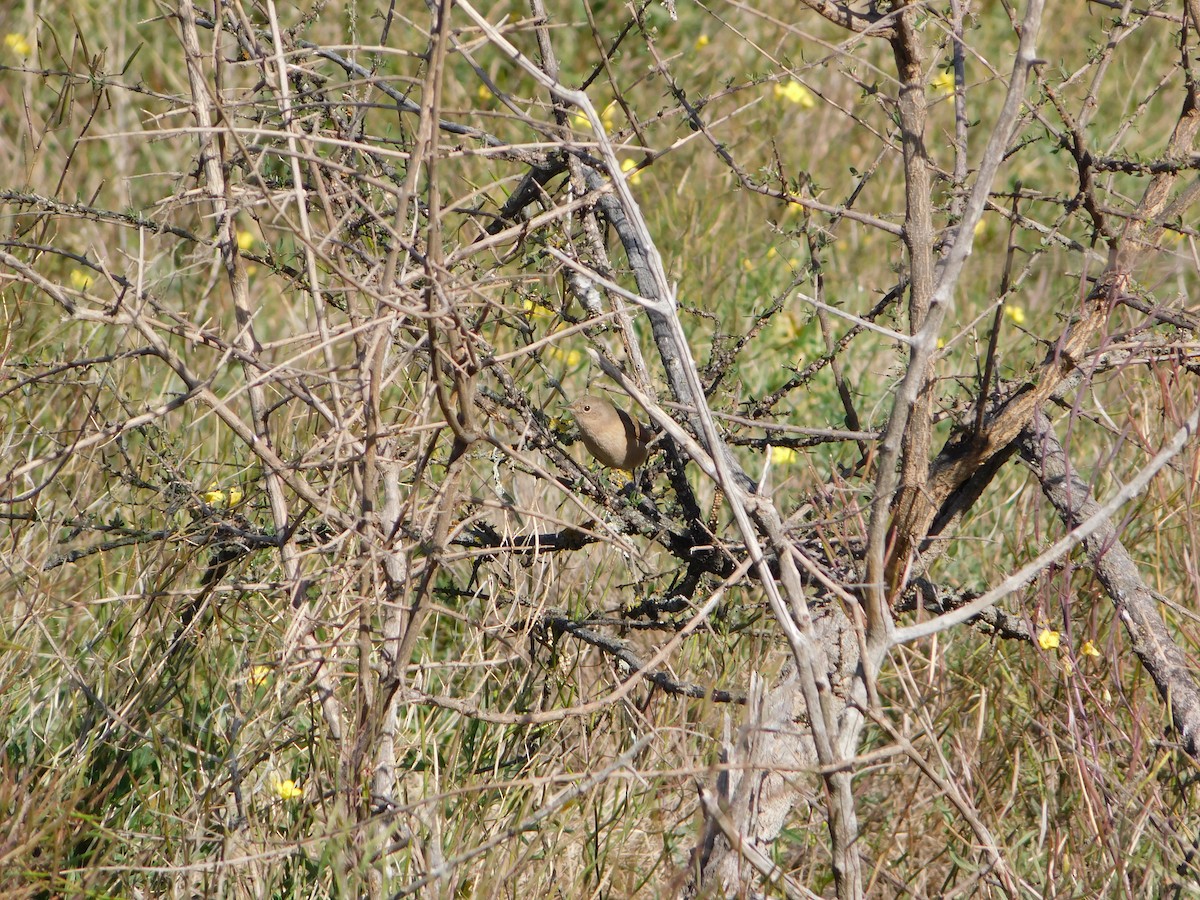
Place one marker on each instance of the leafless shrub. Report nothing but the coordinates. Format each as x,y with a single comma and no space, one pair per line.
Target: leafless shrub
310,592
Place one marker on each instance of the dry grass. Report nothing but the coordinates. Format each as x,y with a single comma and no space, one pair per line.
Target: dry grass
155,696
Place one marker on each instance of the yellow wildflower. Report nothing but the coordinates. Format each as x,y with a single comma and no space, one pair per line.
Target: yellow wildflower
214,496
17,44
1049,639
1089,649
629,165
943,84
484,93
560,425
285,788
571,357
795,92
1015,314
536,310
783,456
259,674
81,280
245,240
608,116
702,41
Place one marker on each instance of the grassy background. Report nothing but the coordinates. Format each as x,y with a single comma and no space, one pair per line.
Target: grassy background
128,767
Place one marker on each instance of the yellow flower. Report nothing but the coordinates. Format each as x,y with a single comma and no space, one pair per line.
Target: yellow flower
571,357
1049,639
536,310
484,93
608,117
245,240
17,44
214,496
81,280
772,253
628,165
1089,649
981,227
619,478
783,456
1015,314
259,674
702,41
285,788
944,83
748,264
795,92
560,425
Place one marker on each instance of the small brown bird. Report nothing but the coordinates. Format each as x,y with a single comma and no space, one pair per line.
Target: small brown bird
613,436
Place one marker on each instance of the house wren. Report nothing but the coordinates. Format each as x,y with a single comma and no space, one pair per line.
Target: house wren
613,436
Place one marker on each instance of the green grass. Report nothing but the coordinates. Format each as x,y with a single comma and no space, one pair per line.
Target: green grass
139,756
